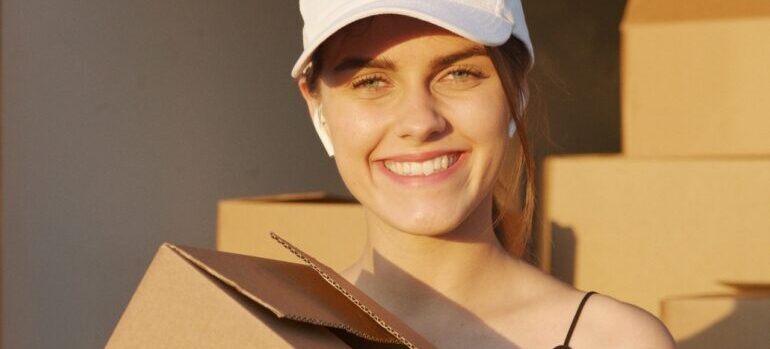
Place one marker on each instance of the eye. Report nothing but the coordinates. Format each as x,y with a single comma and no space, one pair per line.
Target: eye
463,74
374,81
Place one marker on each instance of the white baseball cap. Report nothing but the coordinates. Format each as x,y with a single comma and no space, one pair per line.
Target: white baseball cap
488,22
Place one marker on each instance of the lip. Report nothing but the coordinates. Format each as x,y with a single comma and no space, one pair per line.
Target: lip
432,178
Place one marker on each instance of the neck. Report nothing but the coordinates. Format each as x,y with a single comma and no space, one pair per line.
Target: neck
411,272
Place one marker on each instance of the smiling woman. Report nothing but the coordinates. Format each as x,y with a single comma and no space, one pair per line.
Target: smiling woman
422,104
458,68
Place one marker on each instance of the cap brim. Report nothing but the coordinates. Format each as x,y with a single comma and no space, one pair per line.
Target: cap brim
466,21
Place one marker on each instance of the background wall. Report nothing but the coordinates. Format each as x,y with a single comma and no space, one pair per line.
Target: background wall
124,123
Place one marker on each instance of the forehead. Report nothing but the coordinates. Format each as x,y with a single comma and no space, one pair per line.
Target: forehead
376,35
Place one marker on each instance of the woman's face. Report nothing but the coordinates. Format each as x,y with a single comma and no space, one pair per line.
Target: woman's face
417,116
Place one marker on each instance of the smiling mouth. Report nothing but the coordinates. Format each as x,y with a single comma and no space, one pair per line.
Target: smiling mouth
423,168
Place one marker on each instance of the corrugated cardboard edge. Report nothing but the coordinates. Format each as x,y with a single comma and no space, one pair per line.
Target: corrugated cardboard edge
182,253
324,272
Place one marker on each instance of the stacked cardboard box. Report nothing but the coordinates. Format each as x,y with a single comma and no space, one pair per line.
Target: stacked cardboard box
191,297
643,229
695,77
196,298
736,320
686,205
334,227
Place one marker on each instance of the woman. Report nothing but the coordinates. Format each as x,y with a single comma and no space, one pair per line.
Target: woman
422,105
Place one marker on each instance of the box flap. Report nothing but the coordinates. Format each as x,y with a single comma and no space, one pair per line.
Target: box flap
658,11
289,290
180,305
380,315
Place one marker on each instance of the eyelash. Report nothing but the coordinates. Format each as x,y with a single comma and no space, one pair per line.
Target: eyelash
468,70
357,83
367,78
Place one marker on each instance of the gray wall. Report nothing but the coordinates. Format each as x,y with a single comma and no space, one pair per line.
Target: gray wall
123,123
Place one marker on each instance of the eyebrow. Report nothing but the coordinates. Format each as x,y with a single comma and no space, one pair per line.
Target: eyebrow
475,50
356,63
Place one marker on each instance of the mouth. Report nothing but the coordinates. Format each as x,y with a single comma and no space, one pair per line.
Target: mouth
425,168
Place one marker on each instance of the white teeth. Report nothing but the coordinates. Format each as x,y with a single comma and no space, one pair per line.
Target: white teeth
424,168
416,168
427,167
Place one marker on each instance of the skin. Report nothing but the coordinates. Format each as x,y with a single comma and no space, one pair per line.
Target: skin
432,257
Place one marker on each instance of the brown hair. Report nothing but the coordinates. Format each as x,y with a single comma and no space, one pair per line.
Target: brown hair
512,222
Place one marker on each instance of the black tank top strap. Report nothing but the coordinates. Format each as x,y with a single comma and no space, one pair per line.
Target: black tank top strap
574,322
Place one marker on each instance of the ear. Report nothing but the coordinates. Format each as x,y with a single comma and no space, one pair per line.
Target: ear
313,101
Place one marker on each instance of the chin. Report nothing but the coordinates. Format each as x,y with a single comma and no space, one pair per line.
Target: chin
424,220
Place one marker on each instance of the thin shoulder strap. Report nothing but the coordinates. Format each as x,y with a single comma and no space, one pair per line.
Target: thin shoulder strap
575,320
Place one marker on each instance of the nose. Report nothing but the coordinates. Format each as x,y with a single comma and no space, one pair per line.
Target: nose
419,120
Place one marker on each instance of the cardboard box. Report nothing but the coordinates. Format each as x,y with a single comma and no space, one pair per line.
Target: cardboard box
736,321
695,77
642,229
335,227
197,298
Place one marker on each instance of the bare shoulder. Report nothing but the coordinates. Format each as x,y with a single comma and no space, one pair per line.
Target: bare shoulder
609,323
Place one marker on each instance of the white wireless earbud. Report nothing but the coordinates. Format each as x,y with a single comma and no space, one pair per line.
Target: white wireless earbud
319,122
511,128
522,106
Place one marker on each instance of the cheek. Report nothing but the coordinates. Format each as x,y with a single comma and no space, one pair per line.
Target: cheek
482,120
355,133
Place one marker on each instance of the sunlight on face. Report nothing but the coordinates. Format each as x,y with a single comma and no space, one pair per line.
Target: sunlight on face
418,118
